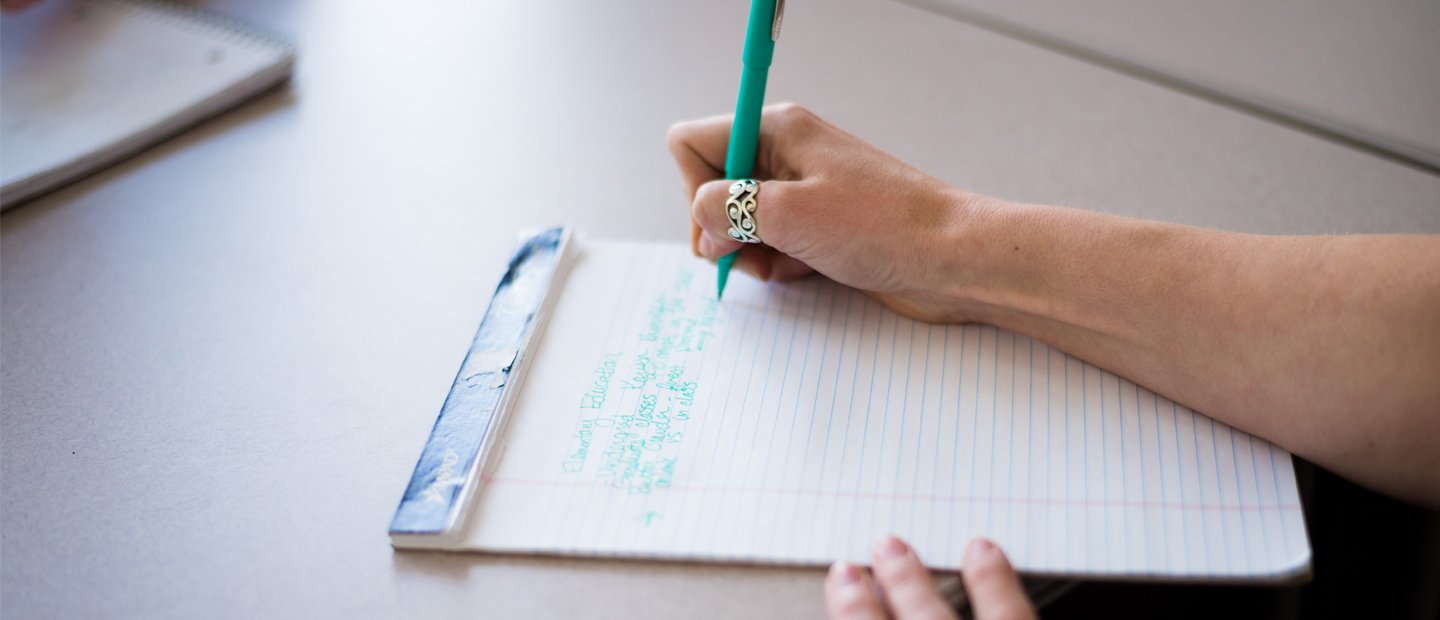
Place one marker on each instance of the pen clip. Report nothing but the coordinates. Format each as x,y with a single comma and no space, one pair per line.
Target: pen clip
775,23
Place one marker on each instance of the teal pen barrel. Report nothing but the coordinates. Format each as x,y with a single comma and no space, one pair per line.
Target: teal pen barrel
759,44
745,133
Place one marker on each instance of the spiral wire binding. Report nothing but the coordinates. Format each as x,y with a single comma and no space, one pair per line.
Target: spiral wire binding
233,29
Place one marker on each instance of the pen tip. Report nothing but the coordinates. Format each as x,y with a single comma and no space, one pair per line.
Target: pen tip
722,274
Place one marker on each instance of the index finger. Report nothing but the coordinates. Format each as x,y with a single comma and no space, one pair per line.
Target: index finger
693,144
907,583
699,146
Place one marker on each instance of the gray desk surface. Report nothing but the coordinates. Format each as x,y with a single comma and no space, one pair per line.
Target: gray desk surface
1367,68
220,358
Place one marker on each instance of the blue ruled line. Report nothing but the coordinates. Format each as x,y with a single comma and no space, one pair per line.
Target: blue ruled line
850,411
1275,478
865,429
1259,501
955,446
834,393
885,417
1010,451
1179,475
939,420
1239,498
974,434
795,411
994,404
765,316
1124,488
1030,444
765,387
550,511
1160,459
920,433
1219,492
1199,476
904,414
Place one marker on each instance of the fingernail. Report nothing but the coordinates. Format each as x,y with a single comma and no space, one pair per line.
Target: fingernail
844,573
707,246
980,549
891,547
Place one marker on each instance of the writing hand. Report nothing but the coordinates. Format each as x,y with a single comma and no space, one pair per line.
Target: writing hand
832,203
906,591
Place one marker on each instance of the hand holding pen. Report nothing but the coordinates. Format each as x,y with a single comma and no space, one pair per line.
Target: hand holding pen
761,33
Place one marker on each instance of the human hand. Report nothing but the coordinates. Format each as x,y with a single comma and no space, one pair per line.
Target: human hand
909,593
832,203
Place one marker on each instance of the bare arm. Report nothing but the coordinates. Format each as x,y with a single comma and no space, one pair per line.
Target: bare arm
1326,346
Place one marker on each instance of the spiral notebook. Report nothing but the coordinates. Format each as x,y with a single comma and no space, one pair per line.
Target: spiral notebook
611,406
87,83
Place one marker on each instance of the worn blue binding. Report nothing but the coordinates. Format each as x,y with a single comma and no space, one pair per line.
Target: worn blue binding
472,418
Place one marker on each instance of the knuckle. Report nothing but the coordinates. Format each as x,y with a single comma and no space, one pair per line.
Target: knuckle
791,111
676,134
773,193
792,118
781,206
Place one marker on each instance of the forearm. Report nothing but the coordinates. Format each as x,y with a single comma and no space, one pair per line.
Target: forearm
1327,346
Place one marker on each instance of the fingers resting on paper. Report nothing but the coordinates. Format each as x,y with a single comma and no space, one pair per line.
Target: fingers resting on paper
850,594
902,587
906,583
991,583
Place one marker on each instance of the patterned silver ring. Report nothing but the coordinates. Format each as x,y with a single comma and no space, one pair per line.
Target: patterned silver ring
740,209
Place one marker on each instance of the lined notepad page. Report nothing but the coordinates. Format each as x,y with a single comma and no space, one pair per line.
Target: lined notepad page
797,423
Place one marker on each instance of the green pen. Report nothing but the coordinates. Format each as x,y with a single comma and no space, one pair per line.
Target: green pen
760,36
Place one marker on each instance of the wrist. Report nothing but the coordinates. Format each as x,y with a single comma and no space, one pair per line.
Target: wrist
989,255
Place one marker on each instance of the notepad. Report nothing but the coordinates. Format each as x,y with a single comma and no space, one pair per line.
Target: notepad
87,83
796,423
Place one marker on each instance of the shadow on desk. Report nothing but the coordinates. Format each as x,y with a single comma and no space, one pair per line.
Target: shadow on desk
1374,557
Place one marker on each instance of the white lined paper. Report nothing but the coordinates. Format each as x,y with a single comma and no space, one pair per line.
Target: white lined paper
821,421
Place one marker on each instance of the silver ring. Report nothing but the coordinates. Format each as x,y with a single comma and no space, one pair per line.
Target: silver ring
740,209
